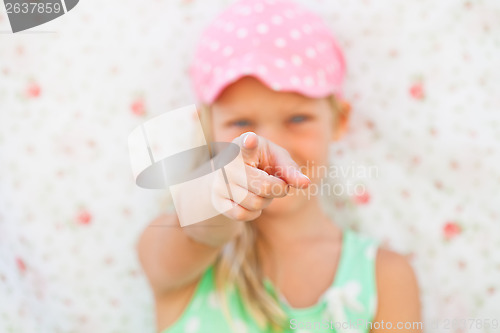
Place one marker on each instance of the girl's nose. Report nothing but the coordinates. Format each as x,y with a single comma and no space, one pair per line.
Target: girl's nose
273,133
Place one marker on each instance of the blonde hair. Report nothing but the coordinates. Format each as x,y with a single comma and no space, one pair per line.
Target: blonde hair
238,262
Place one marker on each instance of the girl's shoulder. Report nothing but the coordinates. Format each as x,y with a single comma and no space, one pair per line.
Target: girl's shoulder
397,287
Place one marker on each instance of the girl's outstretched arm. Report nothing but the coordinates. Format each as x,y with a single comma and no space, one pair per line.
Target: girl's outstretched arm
173,256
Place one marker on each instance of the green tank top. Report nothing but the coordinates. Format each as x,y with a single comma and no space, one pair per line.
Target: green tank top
348,305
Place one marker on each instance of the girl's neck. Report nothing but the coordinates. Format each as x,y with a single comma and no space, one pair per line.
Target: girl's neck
285,239
288,230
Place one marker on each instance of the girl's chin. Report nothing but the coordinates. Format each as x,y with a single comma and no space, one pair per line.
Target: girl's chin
292,202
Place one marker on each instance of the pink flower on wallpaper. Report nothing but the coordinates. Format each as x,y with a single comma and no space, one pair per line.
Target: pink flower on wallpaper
362,199
84,218
21,265
451,230
417,91
138,107
33,90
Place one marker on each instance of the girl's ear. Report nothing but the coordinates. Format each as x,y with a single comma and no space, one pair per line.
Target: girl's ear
342,119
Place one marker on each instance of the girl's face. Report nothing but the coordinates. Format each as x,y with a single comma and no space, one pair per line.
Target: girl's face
304,126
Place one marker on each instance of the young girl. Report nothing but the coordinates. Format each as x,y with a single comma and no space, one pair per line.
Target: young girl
268,75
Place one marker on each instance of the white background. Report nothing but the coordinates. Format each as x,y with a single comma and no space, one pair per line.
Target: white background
424,82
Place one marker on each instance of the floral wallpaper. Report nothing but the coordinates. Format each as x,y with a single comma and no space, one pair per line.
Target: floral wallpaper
423,80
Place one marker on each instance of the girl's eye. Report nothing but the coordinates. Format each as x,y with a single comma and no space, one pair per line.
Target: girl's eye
298,119
241,123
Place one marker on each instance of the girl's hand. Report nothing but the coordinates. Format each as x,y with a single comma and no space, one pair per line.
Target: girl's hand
269,172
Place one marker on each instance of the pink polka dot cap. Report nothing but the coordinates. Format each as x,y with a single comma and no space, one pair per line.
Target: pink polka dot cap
284,45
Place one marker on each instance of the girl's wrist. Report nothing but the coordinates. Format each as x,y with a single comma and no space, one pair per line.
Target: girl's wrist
214,232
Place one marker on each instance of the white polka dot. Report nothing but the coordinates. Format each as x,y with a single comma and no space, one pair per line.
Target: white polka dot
192,325
280,63
289,14
214,45
308,81
352,288
258,8
296,60
276,19
307,28
247,70
276,86
213,300
295,34
310,52
229,26
294,80
262,69
245,10
321,46
262,28
228,50
280,42
241,33
240,326
230,74
370,252
207,68
217,71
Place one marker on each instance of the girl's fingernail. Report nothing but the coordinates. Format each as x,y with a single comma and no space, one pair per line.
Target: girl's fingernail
245,140
300,174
